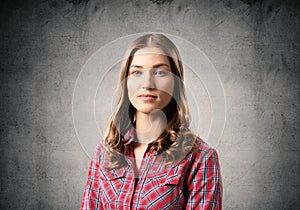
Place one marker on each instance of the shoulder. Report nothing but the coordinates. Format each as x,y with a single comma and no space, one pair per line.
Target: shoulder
202,163
202,145
99,149
204,154
100,156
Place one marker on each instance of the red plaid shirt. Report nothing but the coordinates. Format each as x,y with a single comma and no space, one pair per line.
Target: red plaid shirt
194,183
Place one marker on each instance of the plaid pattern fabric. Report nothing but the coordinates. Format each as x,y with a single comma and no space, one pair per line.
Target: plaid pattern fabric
194,183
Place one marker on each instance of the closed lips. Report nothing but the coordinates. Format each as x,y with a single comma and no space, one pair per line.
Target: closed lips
147,95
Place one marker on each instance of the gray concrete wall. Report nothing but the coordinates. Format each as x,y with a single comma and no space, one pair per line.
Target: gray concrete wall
254,46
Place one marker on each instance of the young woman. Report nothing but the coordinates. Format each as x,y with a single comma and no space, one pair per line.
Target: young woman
149,158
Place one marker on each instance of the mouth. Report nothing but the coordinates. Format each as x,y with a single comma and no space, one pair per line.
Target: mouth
147,96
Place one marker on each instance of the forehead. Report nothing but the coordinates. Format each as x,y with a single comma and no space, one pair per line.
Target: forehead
150,55
149,50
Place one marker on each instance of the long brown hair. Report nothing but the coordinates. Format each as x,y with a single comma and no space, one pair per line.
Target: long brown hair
177,140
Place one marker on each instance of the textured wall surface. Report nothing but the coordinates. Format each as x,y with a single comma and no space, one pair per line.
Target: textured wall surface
254,46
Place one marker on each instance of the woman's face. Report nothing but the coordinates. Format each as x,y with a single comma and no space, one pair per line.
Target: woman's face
150,81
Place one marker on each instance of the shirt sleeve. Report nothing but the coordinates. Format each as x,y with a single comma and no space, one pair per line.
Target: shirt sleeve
90,199
205,188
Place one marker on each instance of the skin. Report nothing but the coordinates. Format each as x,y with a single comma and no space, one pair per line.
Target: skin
150,87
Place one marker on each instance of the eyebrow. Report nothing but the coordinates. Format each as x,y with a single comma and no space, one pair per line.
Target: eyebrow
155,66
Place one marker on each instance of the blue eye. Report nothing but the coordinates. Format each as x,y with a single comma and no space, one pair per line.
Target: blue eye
160,73
137,73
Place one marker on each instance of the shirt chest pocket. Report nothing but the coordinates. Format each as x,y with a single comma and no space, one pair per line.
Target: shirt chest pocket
111,184
163,189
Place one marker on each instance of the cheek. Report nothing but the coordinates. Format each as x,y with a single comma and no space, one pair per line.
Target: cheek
132,87
166,85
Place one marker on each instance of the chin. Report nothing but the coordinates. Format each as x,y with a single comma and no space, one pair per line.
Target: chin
146,110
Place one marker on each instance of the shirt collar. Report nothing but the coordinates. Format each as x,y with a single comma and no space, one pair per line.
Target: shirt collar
129,136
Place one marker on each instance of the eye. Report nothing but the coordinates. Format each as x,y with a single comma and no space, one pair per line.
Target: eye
136,73
161,73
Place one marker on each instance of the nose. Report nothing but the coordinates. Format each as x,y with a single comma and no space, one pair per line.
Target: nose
148,80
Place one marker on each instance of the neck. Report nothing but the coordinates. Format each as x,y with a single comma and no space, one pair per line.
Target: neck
149,126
